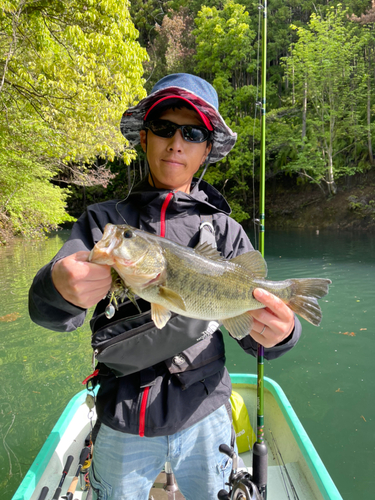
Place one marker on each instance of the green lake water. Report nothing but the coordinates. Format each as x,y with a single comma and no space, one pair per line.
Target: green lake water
328,377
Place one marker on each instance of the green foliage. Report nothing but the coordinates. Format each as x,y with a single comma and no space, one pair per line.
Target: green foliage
68,69
225,55
363,206
147,14
67,72
173,48
327,73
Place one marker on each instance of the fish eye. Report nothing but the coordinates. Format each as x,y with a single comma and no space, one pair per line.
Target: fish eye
128,233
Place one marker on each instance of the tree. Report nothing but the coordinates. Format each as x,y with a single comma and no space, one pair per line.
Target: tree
327,73
367,21
173,47
225,53
146,15
68,69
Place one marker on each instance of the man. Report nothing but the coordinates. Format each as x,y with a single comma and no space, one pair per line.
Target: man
177,409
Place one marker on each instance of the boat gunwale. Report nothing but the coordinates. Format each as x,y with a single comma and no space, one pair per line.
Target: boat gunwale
35,472
323,480
320,474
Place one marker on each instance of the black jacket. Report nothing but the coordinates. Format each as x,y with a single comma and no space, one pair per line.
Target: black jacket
179,391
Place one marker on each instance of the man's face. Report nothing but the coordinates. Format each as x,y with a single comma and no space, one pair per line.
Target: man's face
173,161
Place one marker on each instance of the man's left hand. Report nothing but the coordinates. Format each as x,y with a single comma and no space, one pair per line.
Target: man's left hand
274,323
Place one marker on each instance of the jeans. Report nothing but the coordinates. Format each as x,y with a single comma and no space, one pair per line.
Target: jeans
125,466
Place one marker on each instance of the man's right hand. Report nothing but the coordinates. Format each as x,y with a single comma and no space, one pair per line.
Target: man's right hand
80,282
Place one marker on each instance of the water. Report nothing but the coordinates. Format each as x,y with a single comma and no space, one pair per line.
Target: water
328,377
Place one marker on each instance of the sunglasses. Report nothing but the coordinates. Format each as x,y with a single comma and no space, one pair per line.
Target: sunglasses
167,129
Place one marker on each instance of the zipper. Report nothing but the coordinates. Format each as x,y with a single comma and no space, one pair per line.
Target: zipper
162,213
146,390
142,413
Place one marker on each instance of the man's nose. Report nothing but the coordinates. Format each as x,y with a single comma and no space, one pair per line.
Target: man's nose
176,141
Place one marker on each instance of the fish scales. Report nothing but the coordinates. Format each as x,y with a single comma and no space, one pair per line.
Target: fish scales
199,283
202,286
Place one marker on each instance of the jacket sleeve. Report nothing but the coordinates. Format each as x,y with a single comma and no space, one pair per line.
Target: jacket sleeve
47,307
250,346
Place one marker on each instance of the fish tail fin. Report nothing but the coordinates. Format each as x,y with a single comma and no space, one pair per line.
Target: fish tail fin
305,293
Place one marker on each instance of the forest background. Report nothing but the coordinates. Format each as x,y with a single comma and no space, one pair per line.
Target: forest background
68,70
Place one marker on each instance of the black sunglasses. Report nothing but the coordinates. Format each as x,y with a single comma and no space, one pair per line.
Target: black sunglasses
167,129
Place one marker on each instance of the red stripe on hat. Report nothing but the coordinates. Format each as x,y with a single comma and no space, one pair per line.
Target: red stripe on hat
203,117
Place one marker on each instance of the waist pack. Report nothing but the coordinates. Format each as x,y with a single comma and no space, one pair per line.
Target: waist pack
130,341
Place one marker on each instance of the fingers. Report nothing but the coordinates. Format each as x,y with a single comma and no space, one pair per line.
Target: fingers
272,303
80,282
272,324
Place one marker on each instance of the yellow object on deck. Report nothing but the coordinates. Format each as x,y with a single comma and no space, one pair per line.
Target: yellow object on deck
245,436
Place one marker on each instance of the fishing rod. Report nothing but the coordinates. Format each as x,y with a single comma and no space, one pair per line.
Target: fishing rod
67,465
73,485
260,452
242,485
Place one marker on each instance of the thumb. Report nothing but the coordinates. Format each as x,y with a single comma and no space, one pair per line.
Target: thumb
82,256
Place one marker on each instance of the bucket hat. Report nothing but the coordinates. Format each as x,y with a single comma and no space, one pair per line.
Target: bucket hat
200,95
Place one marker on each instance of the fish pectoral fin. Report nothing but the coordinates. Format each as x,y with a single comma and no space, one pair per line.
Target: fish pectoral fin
239,326
172,297
160,315
208,251
253,262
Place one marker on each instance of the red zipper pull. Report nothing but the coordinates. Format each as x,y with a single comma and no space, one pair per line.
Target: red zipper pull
94,374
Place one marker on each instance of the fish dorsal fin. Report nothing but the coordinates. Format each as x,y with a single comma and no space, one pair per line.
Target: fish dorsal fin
172,297
239,326
253,262
206,250
159,315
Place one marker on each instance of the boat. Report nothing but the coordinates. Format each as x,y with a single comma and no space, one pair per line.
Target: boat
295,470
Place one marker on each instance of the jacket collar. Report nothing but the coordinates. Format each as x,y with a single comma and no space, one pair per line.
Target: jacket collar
202,193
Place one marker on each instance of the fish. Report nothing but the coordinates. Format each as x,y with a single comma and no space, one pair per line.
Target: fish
199,282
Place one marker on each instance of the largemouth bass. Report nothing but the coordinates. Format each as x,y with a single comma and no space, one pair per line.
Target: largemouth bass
200,283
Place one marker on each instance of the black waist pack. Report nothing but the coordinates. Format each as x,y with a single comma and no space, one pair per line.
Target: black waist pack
130,341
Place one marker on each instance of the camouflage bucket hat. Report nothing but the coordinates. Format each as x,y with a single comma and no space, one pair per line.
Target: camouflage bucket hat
199,94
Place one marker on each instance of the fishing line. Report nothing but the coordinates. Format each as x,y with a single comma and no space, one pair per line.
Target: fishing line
255,221
281,469
295,494
255,116
127,196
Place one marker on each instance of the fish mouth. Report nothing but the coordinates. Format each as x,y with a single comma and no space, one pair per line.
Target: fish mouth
101,252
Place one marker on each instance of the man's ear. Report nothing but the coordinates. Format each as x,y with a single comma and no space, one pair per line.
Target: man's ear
143,139
207,152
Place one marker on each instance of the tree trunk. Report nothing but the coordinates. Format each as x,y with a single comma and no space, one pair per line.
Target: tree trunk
129,177
369,141
304,110
332,188
293,88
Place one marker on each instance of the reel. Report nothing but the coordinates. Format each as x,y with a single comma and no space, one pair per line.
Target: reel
241,486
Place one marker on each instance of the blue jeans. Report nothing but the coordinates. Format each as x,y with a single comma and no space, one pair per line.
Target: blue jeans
125,466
